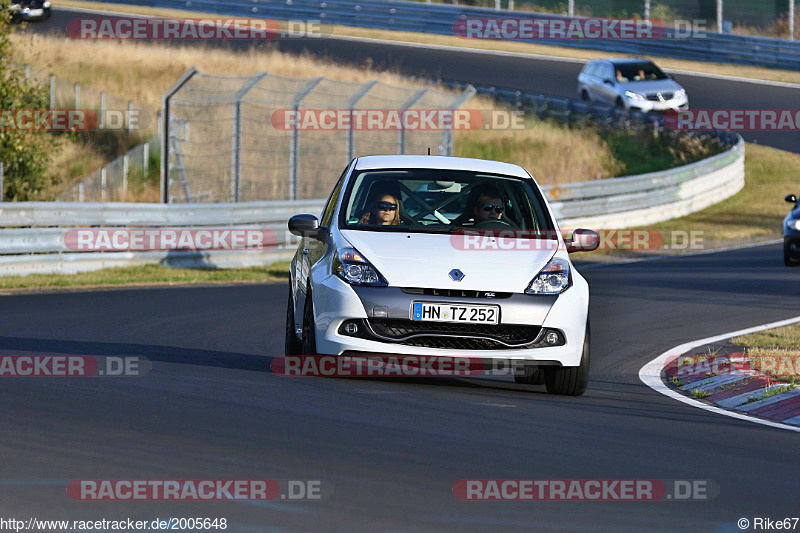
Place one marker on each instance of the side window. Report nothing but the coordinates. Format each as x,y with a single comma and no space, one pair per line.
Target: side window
330,207
608,72
591,69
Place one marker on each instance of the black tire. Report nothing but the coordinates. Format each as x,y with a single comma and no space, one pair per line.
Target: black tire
787,256
309,338
530,375
620,104
570,380
292,343
585,96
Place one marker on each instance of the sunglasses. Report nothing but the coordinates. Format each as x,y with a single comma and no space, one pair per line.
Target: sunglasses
489,207
386,206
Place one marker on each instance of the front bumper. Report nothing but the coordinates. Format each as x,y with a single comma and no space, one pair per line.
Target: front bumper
648,106
336,302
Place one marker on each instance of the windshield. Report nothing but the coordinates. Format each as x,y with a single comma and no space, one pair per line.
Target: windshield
639,72
430,201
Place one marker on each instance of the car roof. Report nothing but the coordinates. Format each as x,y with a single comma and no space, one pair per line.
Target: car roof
627,60
374,162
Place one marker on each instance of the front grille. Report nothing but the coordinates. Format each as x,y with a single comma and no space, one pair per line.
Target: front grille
455,336
457,293
656,97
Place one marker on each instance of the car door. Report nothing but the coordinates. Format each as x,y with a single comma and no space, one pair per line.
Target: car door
606,83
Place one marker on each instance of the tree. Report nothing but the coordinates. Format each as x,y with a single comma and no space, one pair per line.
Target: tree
25,154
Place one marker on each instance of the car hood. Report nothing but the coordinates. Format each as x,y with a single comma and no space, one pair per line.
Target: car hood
425,260
653,86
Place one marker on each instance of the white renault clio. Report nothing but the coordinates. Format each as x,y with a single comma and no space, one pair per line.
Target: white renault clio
432,255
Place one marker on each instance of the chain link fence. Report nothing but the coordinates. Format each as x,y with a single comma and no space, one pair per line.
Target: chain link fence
228,139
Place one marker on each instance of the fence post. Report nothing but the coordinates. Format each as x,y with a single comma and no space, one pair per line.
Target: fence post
447,137
236,135
103,183
125,162
77,95
130,117
351,103
102,109
401,141
27,72
294,139
146,158
165,133
80,192
2,183
52,92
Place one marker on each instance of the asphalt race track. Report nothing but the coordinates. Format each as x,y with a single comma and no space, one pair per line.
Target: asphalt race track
527,73
210,408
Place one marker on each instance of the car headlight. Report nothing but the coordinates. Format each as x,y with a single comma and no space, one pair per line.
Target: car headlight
794,224
353,268
46,5
680,93
554,278
635,96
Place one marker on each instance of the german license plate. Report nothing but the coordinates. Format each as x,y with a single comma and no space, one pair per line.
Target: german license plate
444,312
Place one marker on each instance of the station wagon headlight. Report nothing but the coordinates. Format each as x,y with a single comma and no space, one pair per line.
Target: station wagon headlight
552,279
794,224
352,267
680,93
635,96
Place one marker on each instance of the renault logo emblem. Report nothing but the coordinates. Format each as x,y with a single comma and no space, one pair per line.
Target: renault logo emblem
456,275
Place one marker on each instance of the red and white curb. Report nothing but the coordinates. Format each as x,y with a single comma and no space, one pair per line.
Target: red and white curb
738,386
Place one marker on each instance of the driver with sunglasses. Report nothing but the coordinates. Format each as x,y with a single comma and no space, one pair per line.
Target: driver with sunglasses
383,211
489,206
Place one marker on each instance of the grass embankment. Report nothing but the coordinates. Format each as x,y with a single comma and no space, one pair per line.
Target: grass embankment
480,44
776,352
146,275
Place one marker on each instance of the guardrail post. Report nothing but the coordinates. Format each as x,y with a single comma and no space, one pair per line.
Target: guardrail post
146,159
351,103
236,135
2,183
401,141
27,72
294,139
77,95
791,20
80,192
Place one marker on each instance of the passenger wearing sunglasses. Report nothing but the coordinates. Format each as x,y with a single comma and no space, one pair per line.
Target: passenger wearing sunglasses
384,210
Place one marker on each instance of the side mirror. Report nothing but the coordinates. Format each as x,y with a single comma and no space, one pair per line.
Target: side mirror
791,198
608,81
583,240
305,226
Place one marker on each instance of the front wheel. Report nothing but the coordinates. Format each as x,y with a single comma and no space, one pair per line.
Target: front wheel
309,338
291,344
787,256
570,380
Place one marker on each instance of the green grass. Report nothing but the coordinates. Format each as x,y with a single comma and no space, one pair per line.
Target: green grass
697,393
146,275
768,391
785,337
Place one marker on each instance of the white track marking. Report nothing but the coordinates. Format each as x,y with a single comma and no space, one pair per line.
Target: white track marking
650,374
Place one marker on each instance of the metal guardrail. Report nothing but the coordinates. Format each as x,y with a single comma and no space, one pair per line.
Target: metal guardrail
36,241
404,15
